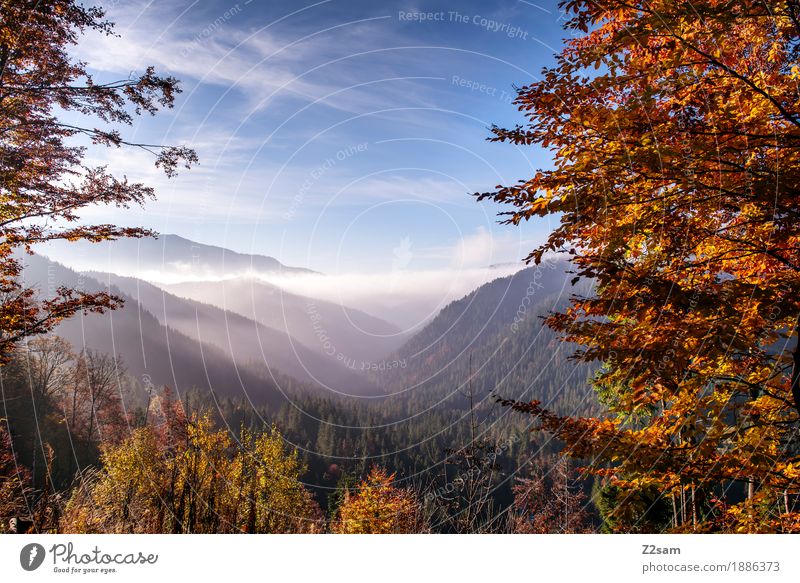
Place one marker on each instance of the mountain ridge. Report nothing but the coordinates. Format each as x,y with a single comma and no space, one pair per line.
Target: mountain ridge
350,334
156,350
242,338
166,255
494,341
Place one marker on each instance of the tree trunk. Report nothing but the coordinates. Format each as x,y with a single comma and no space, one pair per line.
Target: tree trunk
674,511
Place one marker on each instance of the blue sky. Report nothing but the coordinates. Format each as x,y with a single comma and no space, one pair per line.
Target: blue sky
344,136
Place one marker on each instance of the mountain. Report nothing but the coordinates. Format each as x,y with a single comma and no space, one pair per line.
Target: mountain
351,336
242,339
169,257
226,279
493,340
438,389
154,352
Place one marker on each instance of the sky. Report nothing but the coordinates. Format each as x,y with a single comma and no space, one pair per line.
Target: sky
343,136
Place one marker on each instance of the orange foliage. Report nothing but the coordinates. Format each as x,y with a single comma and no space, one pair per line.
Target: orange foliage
379,507
675,129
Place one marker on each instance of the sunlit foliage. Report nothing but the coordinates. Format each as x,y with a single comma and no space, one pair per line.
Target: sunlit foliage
675,129
378,506
44,180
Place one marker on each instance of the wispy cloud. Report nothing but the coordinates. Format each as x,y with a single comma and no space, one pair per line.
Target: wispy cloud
408,301
273,91
279,60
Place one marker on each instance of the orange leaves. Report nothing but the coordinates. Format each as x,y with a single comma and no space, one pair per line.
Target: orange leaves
379,507
538,206
674,181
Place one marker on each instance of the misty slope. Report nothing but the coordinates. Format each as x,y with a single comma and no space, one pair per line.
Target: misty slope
244,340
152,350
348,335
499,326
169,255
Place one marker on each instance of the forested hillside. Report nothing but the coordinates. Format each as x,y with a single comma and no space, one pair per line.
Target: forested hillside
343,334
186,344
431,410
492,342
434,404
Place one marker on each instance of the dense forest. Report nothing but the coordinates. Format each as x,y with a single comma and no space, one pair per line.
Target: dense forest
460,460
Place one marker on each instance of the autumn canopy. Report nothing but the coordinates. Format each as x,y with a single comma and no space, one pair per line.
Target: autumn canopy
44,182
675,129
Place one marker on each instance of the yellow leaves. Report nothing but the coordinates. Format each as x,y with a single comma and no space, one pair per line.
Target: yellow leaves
204,483
759,514
791,470
379,507
777,52
539,205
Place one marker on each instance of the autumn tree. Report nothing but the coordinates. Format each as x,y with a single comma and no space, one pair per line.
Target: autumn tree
378,506
125,495
183,475
48,364
33,380
97,379
45,183
549,501
675,133
272,497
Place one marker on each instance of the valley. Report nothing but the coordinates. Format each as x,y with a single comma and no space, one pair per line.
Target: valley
250,352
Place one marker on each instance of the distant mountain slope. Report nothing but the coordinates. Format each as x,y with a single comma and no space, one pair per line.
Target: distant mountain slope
171,257
154,352
353,337
499,328
243,339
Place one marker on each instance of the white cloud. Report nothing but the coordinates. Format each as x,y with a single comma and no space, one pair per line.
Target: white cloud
402,294
482,248
408,301
261,65
474,250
